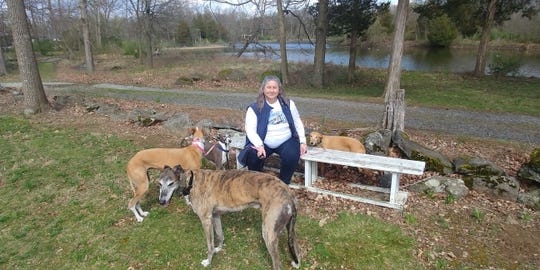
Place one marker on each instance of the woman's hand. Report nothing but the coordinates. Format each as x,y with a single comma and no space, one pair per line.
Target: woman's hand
303,149
261,153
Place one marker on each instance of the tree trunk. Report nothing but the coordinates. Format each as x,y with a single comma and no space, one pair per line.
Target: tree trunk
86,37
98,25
320,44
282,44
148,33
480,67
394,69
35,100
3,70
394,112
352,56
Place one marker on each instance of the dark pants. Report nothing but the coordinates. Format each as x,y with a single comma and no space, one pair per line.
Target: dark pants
289,154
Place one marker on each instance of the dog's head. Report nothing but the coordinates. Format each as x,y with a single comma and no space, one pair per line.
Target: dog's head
169,181
226,140
315,138
198,132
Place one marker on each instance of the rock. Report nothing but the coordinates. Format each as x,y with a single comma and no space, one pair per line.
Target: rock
207,124
435,161
531,170
441,184
530,199
505,187
184,81
178,123
60,102
378,142
466,165
145,117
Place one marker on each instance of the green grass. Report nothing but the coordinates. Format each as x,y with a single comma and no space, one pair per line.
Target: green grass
64,206
440,90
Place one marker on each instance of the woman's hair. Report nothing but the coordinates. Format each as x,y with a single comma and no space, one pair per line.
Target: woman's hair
260,97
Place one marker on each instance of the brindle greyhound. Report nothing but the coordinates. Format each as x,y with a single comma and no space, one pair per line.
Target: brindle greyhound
213,193
156,158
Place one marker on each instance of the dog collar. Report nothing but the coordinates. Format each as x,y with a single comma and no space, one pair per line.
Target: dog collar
199,144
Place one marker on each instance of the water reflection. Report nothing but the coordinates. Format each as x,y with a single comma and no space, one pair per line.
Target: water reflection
417,59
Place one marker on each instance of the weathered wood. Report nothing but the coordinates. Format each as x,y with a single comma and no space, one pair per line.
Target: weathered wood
394,114
395,166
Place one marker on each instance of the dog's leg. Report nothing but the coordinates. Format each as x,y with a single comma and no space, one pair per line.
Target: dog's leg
139,182
219,232
139,209
188,200
206,222
270,236
274,221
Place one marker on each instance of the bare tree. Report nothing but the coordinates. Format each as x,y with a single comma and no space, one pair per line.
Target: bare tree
147,26
86,37
35,100
480,66
282,43
3,70
394,114
320,43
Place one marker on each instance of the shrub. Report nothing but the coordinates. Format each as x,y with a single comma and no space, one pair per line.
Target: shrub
442,31
45,47
504,65
232,74
130,48
270,73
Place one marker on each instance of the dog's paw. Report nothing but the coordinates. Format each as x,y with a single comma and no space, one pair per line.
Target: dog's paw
144,213
295,265
217,249
205,263
139,219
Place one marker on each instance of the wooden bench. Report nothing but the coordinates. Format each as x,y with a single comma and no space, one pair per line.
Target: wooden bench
395,166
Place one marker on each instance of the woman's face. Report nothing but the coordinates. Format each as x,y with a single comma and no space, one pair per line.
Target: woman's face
271,91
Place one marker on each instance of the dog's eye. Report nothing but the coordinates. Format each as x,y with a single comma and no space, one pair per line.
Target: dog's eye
170,184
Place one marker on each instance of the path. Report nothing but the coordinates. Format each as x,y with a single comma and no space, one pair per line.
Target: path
504,126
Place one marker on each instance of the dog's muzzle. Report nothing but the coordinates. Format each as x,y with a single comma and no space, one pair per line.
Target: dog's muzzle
165,202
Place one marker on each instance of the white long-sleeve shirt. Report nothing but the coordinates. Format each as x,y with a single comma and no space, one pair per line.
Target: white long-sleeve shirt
278,127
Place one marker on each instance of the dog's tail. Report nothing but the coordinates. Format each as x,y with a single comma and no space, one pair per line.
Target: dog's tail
294,249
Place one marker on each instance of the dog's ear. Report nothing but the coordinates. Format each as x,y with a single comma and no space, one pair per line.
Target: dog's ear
187,189
177,169
166,167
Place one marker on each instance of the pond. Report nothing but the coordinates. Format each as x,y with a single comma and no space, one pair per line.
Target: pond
415,59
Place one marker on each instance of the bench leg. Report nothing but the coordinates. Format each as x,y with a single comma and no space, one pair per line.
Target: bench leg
394,188
310,173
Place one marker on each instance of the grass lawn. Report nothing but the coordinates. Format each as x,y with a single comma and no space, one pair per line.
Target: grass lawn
64,198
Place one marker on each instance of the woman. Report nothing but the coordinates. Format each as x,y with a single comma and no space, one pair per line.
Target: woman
273,125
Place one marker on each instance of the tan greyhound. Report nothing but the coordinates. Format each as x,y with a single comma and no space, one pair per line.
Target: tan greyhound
156,158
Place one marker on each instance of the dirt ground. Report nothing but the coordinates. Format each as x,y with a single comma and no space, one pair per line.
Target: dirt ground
478,231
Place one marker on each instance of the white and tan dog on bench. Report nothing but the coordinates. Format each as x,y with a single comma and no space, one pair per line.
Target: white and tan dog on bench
341,143
156,158
213,193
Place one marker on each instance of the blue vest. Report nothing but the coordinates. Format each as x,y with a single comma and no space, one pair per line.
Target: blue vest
262,124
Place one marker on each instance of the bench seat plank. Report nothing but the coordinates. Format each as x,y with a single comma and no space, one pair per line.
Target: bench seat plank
380,163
